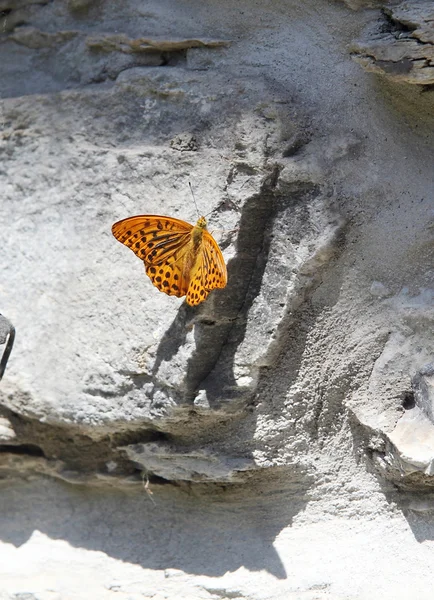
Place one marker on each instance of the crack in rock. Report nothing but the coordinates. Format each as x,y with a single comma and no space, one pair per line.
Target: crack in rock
34,38
122,43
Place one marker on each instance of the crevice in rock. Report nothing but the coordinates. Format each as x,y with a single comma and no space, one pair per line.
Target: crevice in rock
67,453
151,479
68,449
7,337
22,449
408,400
393,25
176,58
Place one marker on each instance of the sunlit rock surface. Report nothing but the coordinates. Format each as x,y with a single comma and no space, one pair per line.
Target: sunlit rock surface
275,442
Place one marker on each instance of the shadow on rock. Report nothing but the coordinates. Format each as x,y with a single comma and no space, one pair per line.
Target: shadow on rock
203,531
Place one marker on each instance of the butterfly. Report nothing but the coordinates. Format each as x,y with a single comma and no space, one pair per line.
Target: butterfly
180,259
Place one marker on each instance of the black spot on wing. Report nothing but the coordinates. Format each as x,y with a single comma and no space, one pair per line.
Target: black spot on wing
163,279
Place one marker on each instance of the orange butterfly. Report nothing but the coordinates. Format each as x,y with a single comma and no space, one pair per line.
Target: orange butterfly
179,258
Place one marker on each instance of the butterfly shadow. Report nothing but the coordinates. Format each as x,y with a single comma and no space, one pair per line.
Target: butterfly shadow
174,337
220,331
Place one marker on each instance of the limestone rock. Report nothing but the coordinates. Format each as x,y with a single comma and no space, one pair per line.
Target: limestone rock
36,39
274,442
402,48
121,43
410,458
174,464
7,337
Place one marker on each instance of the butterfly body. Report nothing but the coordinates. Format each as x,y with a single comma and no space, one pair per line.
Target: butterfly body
180,259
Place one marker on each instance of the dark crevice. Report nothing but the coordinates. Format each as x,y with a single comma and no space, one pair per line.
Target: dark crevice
393,26
149,478
138,437
76,449
22,449
175,58
208,322
10,337
408,400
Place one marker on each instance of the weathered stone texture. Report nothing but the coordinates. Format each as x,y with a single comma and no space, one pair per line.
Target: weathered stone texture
277,441
402,46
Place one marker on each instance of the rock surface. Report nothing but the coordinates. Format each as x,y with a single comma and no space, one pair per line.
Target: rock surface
402,46
276,441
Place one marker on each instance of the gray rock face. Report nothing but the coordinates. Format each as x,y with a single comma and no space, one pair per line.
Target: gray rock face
276,441
174,465
7,337
410,457
402,47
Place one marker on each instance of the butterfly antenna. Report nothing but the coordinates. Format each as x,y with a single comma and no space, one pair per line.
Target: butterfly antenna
208,213
222,203
194,199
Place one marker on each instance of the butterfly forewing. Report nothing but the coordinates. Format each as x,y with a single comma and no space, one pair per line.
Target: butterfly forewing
152,238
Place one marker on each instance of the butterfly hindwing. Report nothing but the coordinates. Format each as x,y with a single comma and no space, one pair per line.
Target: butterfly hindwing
210,271
196,292
215,274
168,278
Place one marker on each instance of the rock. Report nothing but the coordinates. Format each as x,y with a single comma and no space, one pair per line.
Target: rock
121,43
184,142
36,39
275,441
411,453
174,464
402,48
